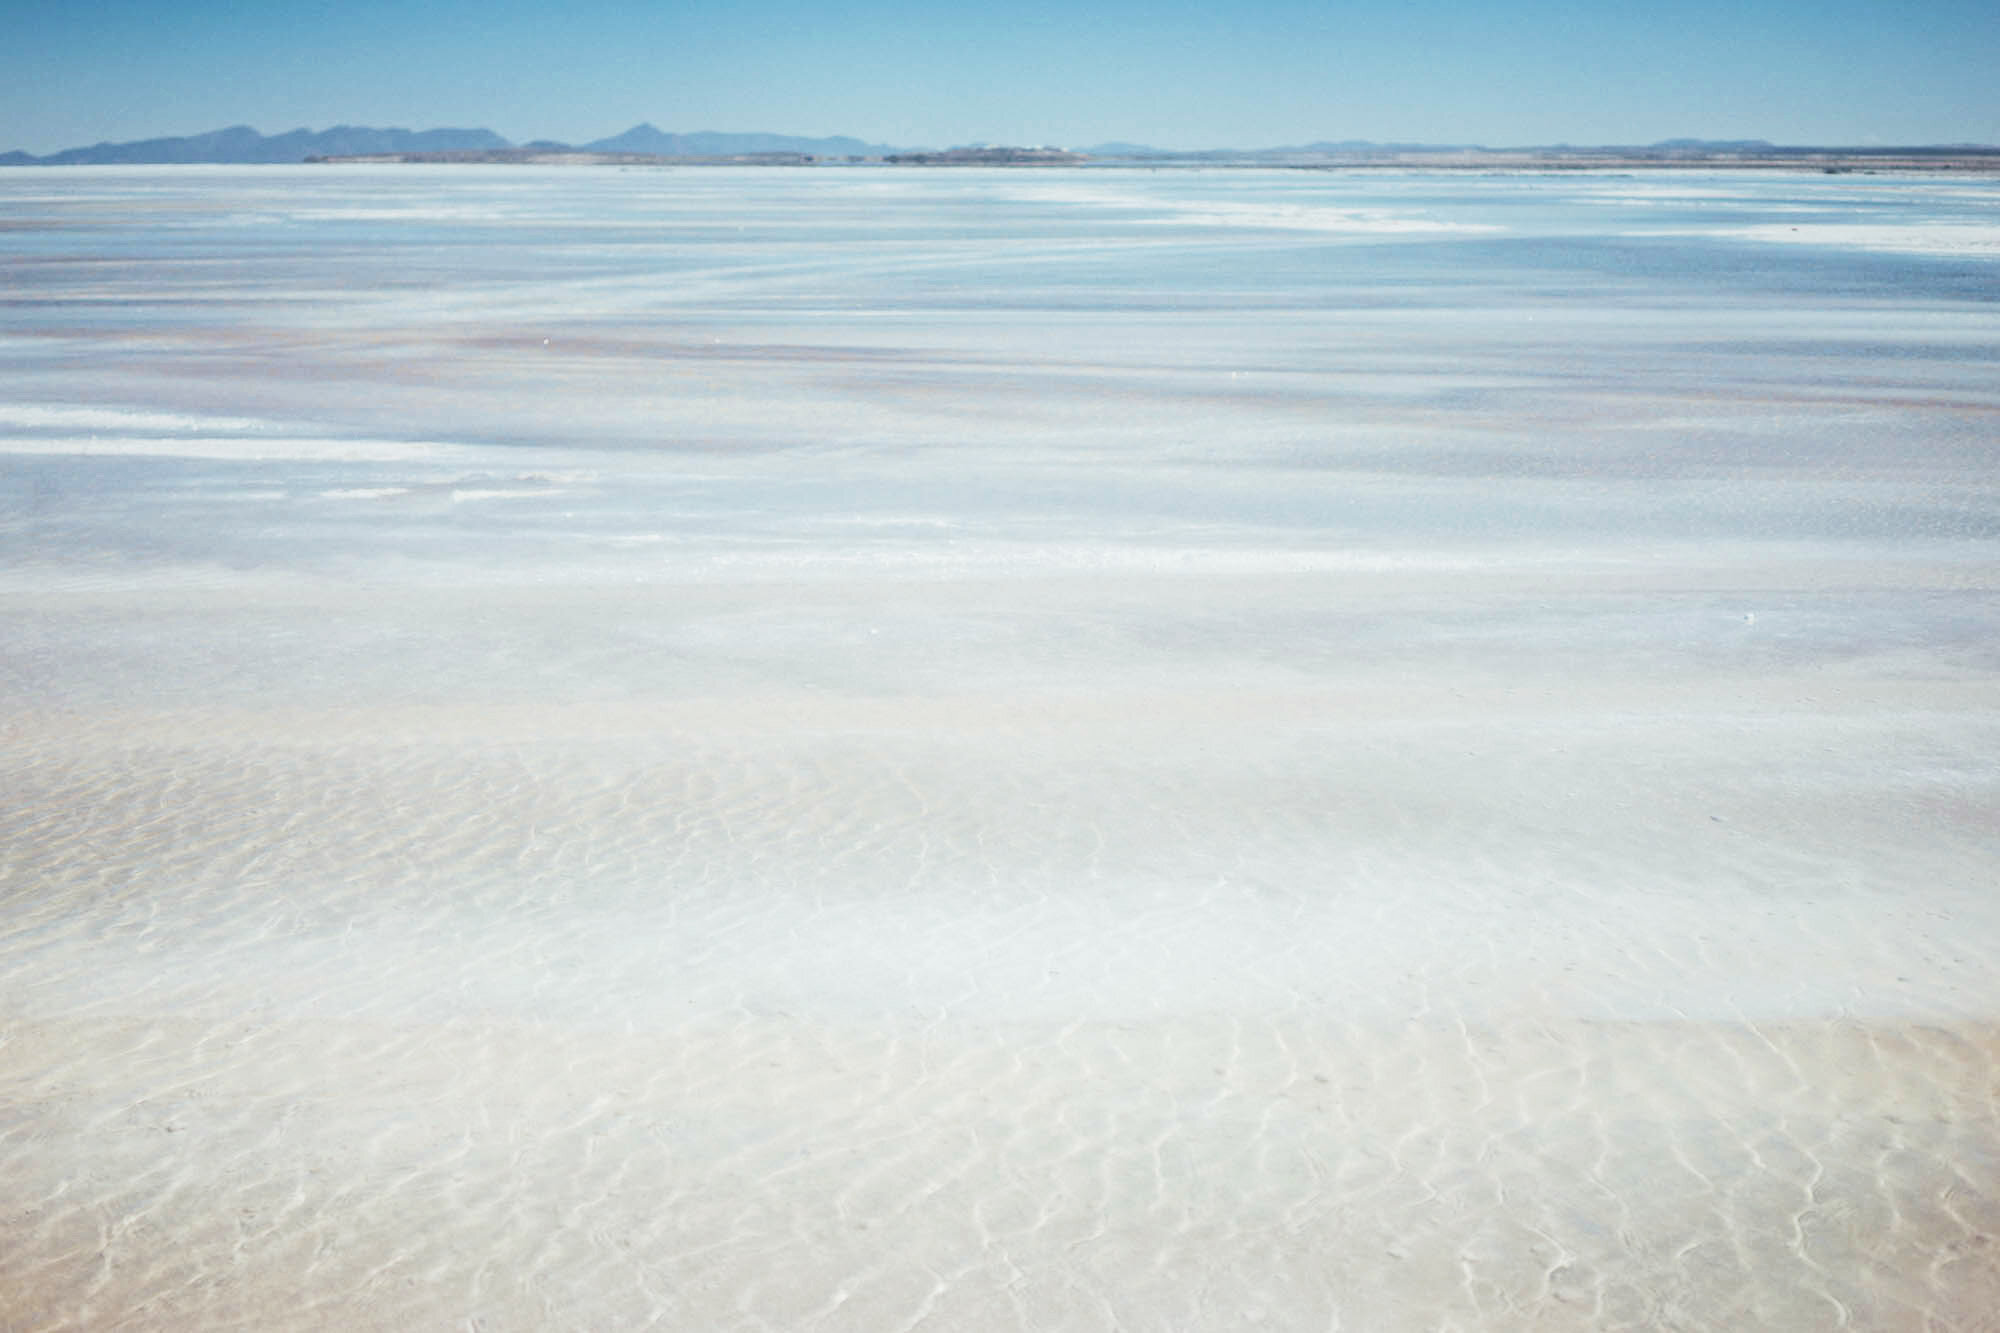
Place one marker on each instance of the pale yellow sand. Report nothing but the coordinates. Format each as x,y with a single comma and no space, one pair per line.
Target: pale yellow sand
1152,1173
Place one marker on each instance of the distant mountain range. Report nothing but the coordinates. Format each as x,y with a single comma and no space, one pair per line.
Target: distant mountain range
645,138
241,144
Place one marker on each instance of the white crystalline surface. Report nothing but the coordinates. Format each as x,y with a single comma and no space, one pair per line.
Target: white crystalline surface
1033,749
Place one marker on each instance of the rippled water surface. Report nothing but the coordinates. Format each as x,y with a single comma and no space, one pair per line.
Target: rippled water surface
1038,749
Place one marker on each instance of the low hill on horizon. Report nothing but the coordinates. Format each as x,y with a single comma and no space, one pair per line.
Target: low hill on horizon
648,138
240,144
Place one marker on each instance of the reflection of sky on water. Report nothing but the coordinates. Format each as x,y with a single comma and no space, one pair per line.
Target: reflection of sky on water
315,363
1538,432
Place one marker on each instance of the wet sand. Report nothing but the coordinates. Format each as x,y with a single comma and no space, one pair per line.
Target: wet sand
832,802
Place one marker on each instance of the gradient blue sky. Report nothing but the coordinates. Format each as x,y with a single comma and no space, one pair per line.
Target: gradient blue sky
1184,75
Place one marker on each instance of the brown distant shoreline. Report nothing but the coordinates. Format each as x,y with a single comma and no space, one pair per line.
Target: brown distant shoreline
1825,160
567,157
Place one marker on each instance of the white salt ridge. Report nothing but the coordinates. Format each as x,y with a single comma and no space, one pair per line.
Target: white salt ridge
1273,216
1957,239
68,417
1299,217
466,495
246,449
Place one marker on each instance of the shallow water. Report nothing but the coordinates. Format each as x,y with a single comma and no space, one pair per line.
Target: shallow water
998,749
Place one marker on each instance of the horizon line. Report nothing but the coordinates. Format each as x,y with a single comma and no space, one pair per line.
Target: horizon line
1689,142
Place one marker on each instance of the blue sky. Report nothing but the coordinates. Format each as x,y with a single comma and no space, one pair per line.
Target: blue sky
1257,74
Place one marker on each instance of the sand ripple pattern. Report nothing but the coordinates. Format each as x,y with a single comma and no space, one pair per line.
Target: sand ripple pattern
769,1034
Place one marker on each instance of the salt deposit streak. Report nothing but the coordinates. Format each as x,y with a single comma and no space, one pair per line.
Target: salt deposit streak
1943,238
34,416
1360,761
250,449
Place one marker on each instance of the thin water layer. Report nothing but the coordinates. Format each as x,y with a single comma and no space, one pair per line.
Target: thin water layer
1047,749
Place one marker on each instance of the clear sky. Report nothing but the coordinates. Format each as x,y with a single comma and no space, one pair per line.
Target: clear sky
1259,73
